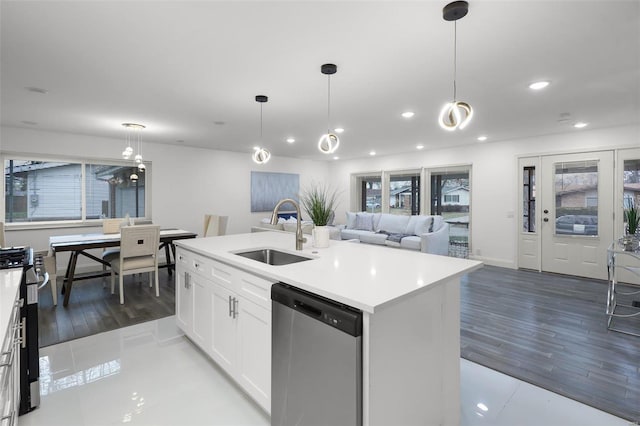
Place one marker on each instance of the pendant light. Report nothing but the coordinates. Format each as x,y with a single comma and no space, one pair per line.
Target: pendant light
456,114
133,138
328,142
261,155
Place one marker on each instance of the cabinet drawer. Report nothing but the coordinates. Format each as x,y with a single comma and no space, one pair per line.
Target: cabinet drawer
193,262
256,289
223,274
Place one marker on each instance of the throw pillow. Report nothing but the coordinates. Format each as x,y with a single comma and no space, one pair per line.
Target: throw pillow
351,220
416,223
364,221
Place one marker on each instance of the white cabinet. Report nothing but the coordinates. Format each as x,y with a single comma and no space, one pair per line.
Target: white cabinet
184,293
227,313
10,368
223,349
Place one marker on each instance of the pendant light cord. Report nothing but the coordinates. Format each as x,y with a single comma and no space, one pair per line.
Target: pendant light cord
328,103
260,122
455,56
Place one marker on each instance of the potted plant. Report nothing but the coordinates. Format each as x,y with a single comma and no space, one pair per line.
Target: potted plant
319,202
633,220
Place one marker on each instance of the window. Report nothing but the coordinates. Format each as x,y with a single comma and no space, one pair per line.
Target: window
404,193
529,199
370,189
576,195
450,197
44,191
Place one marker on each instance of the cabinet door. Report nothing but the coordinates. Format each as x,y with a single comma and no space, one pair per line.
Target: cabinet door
202,315
254,351
223,345
184,300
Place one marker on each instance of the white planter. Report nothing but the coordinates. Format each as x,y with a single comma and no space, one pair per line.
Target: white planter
321,236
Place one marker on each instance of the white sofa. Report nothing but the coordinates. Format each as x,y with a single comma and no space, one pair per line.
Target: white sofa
429,234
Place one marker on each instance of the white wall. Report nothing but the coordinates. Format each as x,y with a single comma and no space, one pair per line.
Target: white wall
186,182
494,182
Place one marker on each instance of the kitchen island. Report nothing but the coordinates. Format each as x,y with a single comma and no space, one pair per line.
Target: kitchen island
411,317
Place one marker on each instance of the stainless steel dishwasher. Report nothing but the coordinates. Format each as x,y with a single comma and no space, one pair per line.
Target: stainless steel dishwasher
316,360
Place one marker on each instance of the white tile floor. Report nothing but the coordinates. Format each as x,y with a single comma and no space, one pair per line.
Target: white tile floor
150,374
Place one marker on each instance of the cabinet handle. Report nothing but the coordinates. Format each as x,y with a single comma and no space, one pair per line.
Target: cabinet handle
230,307
235,308
187,278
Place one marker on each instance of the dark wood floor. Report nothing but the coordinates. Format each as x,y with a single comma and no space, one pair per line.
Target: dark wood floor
545,329
93,309
550,330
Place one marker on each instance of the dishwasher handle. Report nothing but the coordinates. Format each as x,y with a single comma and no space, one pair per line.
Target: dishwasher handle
307,309
337,315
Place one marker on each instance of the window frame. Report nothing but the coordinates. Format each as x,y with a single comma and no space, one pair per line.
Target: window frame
83,161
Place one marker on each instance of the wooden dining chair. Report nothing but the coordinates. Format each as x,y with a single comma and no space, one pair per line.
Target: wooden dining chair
138,253
215,225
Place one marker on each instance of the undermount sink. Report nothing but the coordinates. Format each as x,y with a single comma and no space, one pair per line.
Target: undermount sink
272,256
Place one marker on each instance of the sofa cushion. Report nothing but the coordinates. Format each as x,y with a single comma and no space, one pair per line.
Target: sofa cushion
350,234
373,238
438,221
418,224
364,221
376,221
351,220
412,243
393,223
392,243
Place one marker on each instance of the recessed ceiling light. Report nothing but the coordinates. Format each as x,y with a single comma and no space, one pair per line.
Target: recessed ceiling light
419,146
336,158
180,141
219,123
37,90
482,138
372,153
408,114
580,125
537,85
291,140
338,130
29,123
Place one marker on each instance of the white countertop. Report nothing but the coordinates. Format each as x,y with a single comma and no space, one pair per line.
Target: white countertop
9,287
364,276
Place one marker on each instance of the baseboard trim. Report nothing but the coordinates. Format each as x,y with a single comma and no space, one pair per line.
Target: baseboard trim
495,262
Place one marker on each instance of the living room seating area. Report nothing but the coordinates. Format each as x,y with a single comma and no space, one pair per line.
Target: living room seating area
429,234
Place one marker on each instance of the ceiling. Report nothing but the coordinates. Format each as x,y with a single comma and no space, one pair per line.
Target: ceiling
190,71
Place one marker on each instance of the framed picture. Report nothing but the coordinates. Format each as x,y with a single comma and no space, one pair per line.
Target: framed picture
268,188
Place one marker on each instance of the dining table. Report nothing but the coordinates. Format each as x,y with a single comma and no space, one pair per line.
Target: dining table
78,245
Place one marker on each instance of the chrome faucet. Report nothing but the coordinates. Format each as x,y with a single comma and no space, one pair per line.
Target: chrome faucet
274,220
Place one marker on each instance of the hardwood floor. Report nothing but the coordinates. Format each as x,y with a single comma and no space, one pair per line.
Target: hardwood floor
550,330
93,309
545,329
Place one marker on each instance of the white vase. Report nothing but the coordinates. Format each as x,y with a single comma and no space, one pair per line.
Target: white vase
320,236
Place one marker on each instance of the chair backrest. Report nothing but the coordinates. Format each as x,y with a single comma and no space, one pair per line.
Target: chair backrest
139,240
215,225
111,226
